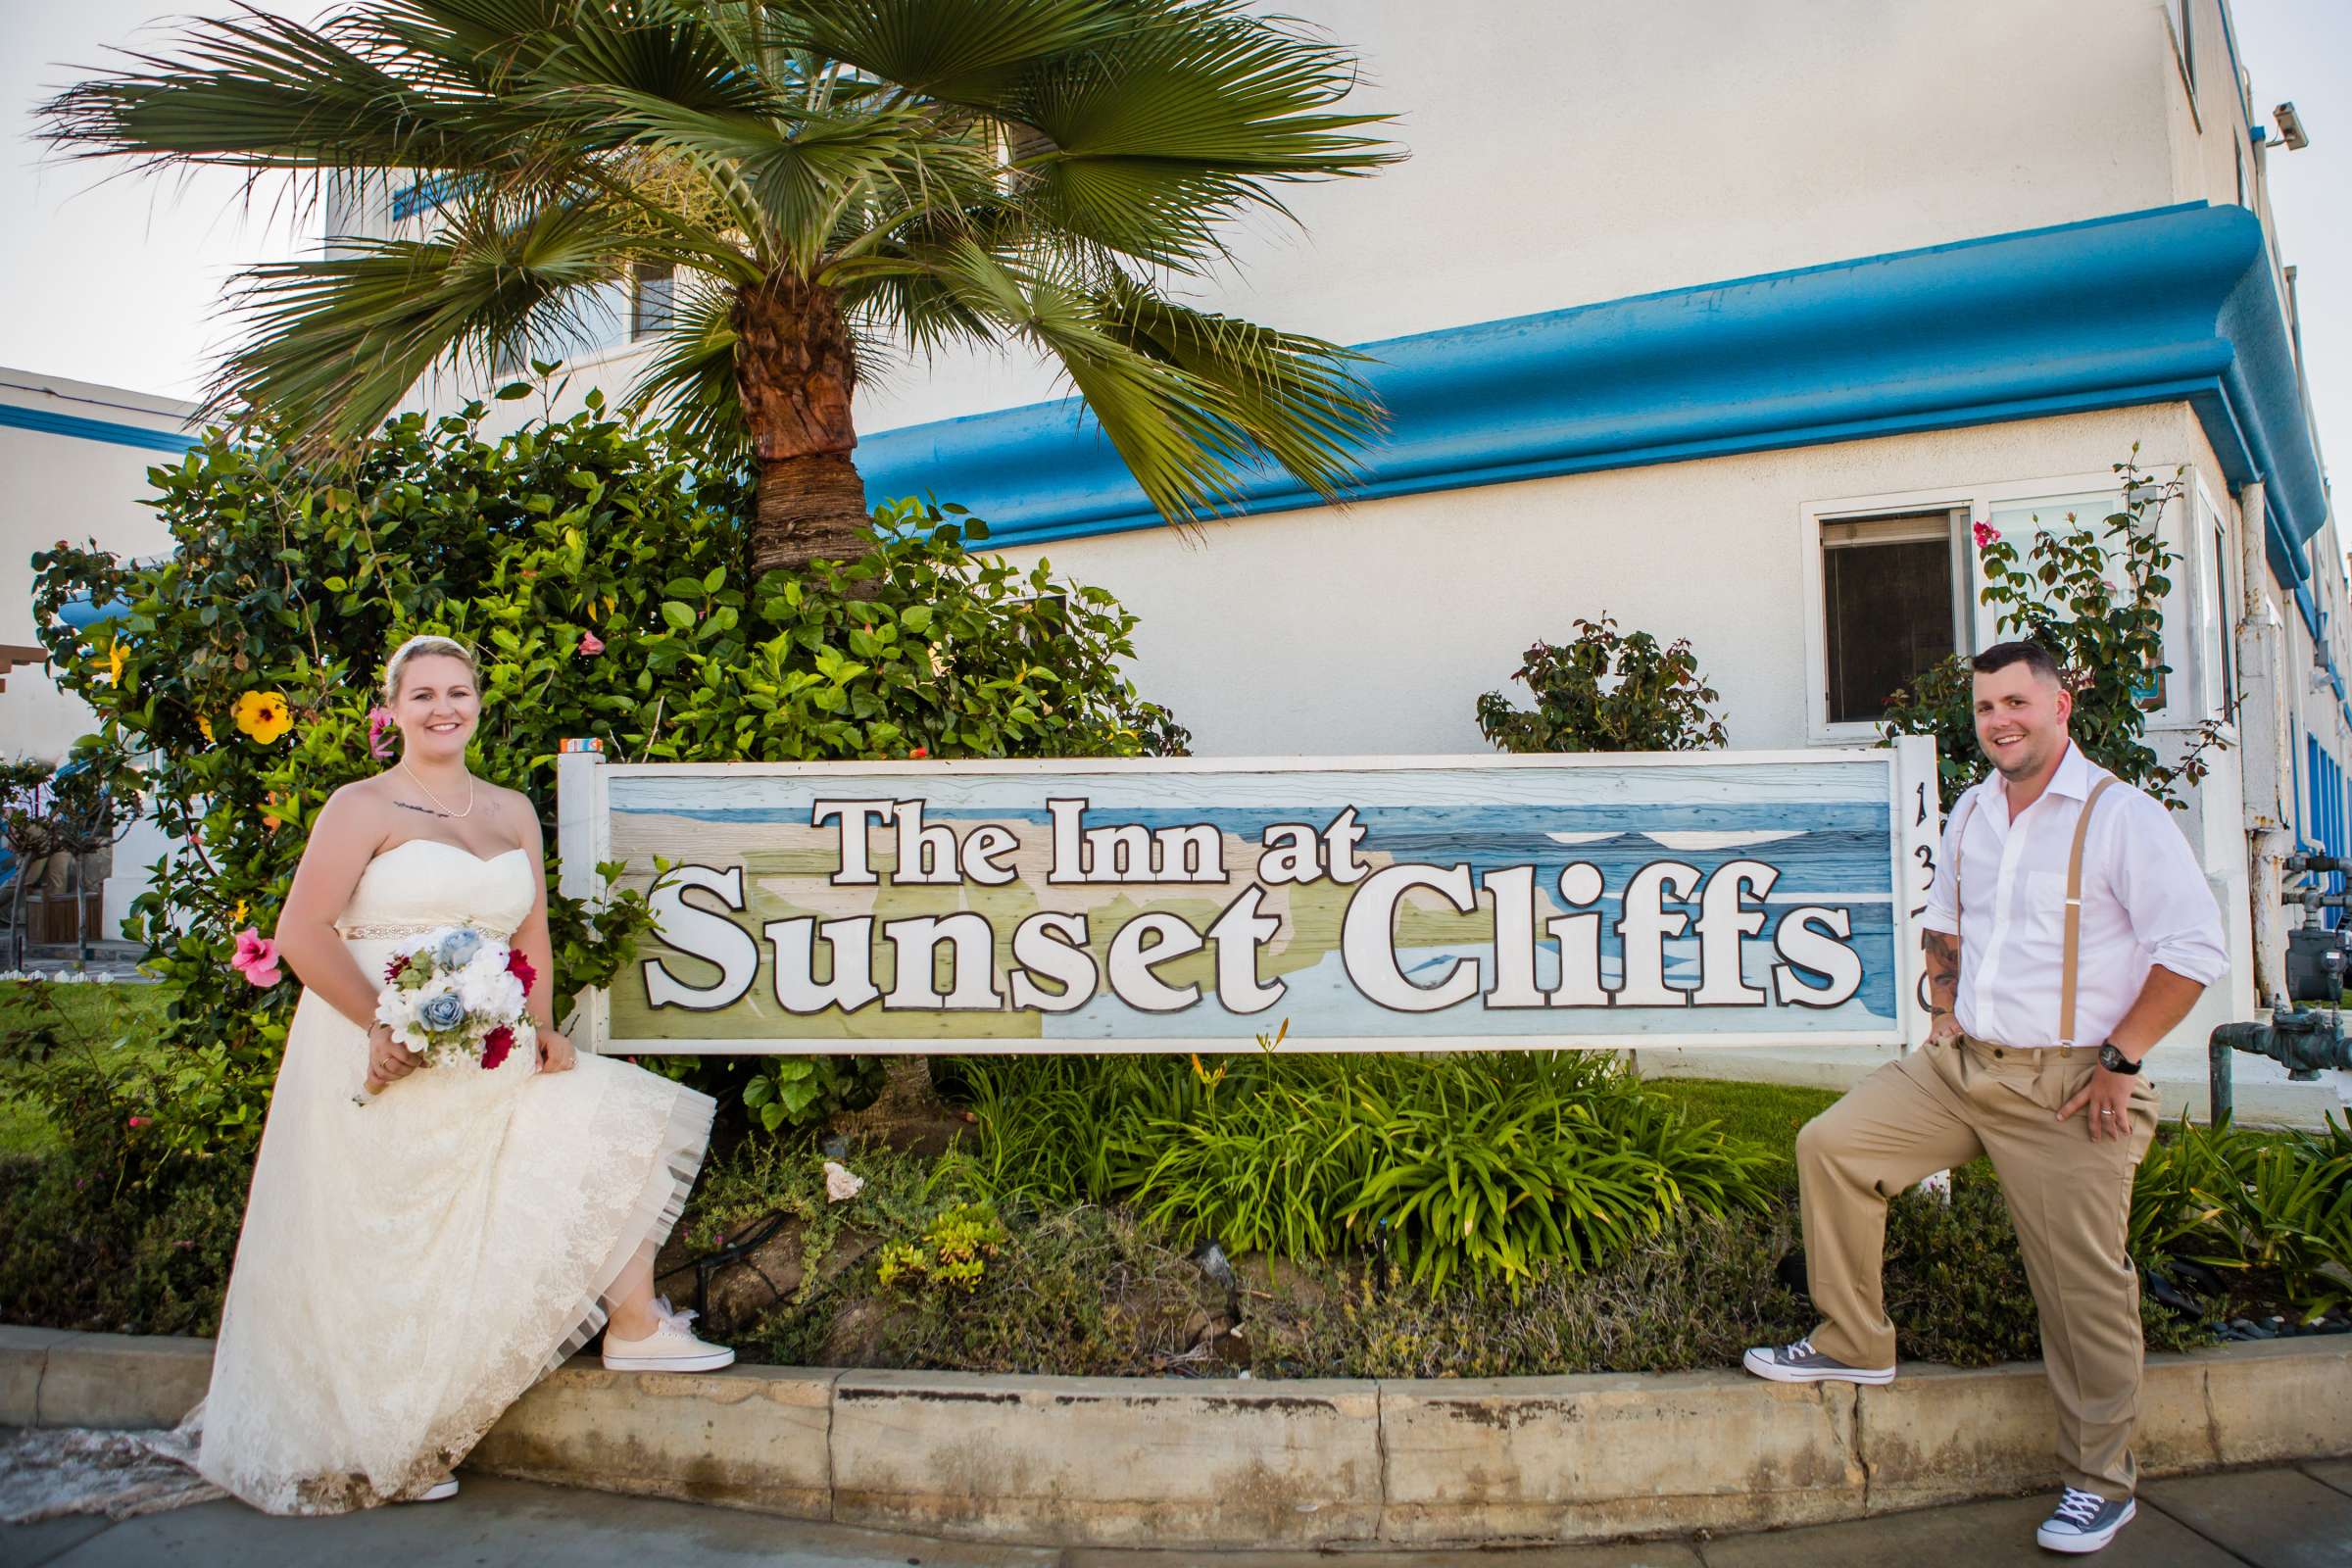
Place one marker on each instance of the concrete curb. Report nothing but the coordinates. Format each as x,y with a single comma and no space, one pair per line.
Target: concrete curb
1313,1463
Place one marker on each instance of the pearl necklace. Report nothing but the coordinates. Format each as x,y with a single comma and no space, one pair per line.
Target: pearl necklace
435,799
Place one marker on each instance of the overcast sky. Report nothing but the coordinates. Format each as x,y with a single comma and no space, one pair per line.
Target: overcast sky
119,281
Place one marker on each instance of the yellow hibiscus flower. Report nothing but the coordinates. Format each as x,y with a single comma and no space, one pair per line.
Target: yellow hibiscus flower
112,662
263,715
205,724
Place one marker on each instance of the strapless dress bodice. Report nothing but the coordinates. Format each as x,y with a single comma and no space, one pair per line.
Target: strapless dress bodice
423,883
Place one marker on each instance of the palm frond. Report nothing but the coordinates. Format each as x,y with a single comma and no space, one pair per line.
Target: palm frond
335,343
1191,403
691,379
1289,397
1154,140
265,93
967,52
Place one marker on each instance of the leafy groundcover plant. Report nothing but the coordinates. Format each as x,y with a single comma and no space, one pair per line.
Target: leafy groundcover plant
1476,1164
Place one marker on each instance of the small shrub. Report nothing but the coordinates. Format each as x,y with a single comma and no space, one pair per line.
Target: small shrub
114,1230
1606,691
2094,598
952,1254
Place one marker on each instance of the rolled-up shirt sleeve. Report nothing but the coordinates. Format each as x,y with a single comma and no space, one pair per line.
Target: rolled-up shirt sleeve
1943,912
2166,898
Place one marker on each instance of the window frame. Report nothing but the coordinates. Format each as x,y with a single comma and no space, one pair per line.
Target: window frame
1864,509
2180,25
639,323
2185,687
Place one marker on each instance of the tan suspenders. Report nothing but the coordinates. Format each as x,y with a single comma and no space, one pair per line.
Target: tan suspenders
2072,962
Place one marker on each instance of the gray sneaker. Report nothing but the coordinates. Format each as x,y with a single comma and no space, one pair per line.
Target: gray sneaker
2085,1521
1801,1363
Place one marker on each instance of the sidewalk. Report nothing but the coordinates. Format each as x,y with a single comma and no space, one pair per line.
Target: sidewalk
2280,1517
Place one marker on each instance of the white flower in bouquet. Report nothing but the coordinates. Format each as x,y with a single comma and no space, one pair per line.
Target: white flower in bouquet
456,996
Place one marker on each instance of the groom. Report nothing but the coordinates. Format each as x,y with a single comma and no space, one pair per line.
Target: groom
2069,930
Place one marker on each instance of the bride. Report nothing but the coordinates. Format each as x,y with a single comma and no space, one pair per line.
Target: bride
410,1266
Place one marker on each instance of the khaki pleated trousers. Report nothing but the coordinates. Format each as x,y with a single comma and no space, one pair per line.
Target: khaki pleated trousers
2070,1197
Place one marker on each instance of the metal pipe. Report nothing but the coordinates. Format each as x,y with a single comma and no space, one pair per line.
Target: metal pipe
2305,1041
2220,1099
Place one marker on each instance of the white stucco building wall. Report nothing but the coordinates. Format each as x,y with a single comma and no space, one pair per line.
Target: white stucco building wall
74,461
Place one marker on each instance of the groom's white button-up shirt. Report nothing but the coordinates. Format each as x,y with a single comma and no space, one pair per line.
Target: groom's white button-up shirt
2144,902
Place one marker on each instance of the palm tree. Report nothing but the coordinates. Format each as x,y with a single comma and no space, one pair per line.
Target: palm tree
837,180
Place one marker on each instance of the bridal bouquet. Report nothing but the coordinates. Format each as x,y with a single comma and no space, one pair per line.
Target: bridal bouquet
455,998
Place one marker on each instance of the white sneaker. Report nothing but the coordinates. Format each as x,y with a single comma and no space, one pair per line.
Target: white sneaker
670,1347
440,1491
2083,1522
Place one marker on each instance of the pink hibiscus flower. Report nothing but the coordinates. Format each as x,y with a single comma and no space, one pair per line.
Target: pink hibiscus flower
255,959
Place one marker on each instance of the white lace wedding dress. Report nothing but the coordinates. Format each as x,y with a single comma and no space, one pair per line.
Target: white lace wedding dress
407,1269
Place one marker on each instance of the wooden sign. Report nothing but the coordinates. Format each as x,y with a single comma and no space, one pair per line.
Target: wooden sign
1371,904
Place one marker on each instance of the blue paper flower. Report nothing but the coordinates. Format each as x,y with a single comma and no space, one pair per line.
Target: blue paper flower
458,949
444,1012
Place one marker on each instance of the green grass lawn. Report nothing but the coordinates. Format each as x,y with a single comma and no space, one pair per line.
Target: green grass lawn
1769,1114
116,1023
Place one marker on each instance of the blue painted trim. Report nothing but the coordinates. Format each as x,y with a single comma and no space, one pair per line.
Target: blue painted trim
421,197
49,422
2170,305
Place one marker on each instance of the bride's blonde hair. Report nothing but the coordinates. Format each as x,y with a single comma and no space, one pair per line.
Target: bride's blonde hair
416,646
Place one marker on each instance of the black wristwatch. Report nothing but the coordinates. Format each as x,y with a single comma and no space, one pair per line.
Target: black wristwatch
2114,1061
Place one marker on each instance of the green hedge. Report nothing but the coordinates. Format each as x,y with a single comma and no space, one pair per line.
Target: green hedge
602,578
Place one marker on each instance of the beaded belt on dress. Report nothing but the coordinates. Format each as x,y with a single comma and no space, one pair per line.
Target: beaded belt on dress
412,928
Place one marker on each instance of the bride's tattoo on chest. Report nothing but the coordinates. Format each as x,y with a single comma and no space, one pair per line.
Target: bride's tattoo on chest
408,805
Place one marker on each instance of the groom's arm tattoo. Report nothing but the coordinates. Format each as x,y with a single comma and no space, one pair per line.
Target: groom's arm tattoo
1942,951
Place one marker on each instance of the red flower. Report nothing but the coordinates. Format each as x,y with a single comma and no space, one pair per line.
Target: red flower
393,969
495,1046
521,969
1986,536
918,754
591,645
138,1121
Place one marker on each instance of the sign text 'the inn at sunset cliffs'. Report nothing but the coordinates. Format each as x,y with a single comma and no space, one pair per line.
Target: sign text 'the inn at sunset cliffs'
1185,905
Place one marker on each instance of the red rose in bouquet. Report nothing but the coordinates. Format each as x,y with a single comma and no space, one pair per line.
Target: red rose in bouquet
521,969
495,1046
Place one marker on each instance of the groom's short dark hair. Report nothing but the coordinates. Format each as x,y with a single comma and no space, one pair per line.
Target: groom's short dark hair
2034,656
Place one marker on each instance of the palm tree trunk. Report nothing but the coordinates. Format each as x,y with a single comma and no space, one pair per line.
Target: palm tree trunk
797,369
